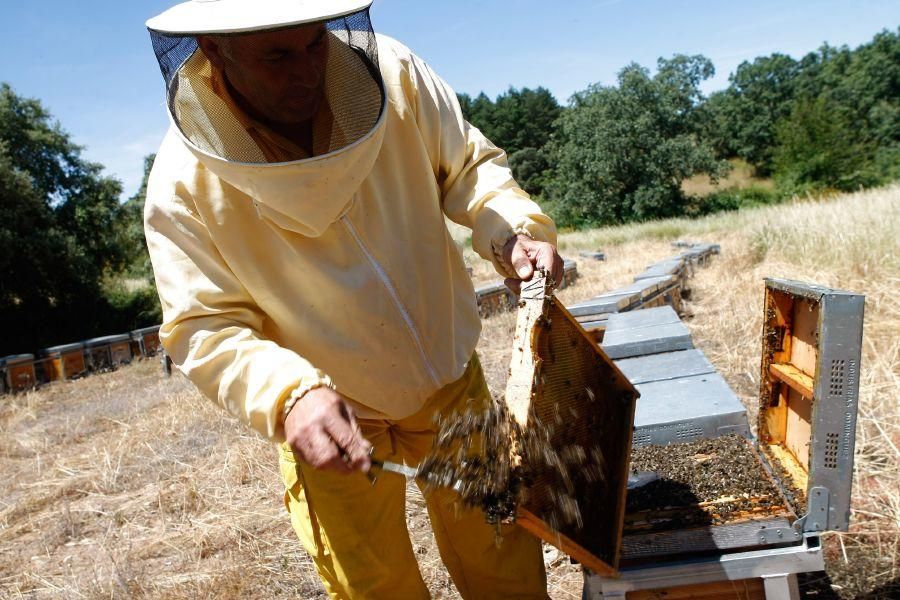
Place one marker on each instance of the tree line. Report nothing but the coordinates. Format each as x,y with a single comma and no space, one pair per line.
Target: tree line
72,256
619,153
74,262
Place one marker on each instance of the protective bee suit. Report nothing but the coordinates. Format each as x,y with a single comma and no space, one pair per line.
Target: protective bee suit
282,268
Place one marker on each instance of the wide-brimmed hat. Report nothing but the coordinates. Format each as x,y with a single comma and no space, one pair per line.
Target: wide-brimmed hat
202,17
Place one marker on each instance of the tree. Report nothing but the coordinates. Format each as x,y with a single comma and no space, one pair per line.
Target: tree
758,96
85,202
622,152
817,148
46,289
521,122
60,239
130,227
37,146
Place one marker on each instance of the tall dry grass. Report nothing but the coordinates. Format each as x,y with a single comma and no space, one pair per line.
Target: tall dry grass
131,485
851,242
740,177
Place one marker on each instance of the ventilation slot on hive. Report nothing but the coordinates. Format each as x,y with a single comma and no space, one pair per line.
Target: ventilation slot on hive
836,388
831,450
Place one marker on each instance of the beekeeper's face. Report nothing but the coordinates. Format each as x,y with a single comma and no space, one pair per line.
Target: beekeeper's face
279,75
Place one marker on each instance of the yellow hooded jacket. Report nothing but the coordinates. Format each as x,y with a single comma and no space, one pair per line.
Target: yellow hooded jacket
334,270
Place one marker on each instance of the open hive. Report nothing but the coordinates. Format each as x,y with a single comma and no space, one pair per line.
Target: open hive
809,395
703,495
564,391
729,493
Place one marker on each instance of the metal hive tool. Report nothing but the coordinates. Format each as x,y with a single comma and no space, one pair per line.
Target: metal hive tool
561,383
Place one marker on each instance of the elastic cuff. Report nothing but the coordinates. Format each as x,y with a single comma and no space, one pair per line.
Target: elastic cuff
301,391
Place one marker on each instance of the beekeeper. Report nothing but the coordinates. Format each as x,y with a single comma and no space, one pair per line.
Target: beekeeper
309,284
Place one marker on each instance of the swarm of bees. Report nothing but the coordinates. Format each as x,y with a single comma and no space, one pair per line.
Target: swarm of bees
491,461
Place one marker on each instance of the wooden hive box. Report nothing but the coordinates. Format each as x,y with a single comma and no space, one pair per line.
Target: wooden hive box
63,362
811,343
809,394
711,496
19,370
120,349
147,339
560,379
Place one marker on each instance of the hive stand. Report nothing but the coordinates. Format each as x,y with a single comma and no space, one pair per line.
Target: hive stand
769,574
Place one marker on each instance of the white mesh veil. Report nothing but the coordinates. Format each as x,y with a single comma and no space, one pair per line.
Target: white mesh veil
225,110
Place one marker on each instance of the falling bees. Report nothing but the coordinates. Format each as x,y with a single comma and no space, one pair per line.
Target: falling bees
491,461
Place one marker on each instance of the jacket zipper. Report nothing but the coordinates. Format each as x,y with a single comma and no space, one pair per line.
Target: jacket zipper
392,291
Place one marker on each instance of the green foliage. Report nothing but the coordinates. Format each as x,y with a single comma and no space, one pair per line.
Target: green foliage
817,149
38,146
130,228
829,120
621,152
741,120
732,199
46,285
521,122
85,203
60,237
132,306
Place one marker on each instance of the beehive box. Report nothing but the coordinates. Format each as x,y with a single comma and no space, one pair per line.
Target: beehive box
560,379
63,362
147,339
811,346
798,475
120,349
681,398
709,495
108,352
19,372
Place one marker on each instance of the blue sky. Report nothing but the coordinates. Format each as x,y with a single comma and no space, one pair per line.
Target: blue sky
90,61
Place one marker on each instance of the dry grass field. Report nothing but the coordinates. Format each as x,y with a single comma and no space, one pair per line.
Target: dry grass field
739,178
127,484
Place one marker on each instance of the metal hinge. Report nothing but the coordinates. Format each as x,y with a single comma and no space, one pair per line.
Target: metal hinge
779,535
815,520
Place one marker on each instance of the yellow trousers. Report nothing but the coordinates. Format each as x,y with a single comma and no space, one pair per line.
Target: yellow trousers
355,531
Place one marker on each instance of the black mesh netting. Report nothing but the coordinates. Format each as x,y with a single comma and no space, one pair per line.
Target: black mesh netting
211,112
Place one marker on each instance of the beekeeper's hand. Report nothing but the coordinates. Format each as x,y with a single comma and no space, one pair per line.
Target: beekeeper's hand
525,255
321,428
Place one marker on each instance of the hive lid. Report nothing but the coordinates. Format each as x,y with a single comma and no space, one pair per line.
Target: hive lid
15,359
560,379
809,396
62,348
150,329
107,339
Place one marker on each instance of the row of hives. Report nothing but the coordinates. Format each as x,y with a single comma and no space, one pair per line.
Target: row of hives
19,372
663,282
